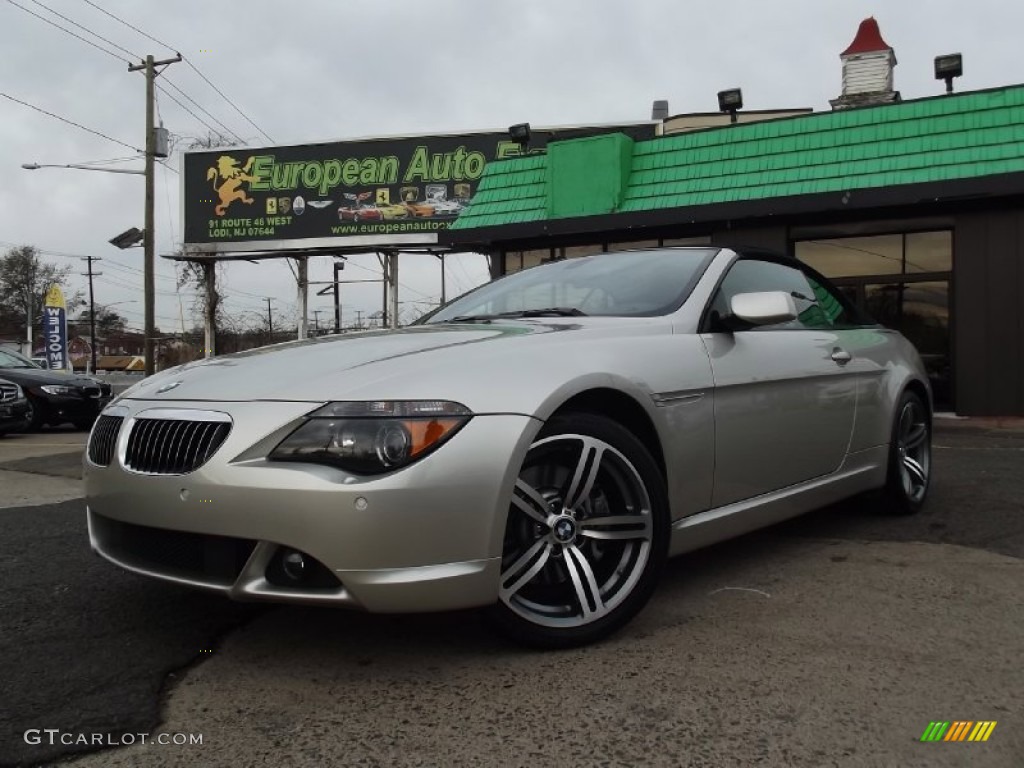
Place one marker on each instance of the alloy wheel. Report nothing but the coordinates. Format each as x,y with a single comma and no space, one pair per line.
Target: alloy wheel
579,535
914,450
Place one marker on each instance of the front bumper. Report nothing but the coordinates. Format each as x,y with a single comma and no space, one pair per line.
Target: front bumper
425,538
12,415
58,409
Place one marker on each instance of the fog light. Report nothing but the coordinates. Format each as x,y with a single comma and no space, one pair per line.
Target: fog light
294,565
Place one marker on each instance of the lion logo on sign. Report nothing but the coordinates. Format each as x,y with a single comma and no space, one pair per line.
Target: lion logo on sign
229,189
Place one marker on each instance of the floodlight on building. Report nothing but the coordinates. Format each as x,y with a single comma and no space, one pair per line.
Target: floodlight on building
520,133
730,101
659,110
128,238
947,67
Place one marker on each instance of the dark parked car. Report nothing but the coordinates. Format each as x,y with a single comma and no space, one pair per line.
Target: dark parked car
54,397
13,407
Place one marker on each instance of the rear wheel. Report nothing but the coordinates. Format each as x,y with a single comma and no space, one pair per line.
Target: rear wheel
910,456
586,537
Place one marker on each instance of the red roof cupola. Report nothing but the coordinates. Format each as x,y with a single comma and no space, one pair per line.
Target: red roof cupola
868,39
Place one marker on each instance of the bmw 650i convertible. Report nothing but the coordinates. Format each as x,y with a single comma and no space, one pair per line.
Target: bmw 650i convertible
537,447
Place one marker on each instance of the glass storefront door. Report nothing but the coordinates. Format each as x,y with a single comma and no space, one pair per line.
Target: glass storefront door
903,282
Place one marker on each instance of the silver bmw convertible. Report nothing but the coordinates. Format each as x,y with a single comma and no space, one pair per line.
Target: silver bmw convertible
537,447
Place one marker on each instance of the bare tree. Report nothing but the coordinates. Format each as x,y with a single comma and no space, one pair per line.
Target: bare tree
24,281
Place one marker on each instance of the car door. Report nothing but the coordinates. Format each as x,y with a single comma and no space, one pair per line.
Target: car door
784,399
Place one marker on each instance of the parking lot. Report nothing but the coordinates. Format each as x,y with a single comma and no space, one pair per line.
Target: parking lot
831,640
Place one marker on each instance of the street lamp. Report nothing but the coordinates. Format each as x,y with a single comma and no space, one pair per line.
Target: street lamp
37,166
149,290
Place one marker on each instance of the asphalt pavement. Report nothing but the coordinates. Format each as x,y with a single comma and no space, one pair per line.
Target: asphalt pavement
829,640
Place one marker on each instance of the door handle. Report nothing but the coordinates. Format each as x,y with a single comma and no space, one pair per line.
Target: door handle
841,356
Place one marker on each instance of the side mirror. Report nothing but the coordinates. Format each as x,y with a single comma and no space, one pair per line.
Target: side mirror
767,308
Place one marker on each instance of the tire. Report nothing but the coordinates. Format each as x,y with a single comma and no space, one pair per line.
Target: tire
35,417
910,457
568,580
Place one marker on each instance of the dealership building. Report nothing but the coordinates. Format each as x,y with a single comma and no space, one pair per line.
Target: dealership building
914,208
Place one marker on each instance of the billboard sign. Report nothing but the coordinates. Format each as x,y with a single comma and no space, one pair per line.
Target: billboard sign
55,330
387,191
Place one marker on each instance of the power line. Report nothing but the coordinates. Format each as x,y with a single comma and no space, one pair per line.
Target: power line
122,21
187,61
65,29
170,96
229,101
125,50
201,109
69,122
85,29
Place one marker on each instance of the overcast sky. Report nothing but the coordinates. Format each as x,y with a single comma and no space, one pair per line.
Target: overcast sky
327,69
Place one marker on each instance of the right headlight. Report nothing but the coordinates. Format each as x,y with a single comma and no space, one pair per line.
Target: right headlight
56,389
370,438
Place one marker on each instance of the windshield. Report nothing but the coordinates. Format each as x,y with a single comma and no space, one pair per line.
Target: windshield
11,359
624,284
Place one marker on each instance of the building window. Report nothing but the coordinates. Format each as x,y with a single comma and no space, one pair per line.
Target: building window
576,251
702,240
633,245
519,260
903,282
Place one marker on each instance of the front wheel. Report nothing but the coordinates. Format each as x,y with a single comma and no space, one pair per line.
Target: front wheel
586,536
35,416
910,456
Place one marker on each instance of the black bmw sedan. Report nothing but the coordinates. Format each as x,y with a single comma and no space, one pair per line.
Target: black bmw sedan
54,397
13,407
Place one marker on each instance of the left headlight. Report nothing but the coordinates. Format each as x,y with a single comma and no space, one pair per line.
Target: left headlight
370,438
56,389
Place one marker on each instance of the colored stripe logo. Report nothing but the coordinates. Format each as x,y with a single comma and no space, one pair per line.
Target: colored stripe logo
959,730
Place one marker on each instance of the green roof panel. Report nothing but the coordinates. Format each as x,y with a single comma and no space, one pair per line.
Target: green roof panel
935,139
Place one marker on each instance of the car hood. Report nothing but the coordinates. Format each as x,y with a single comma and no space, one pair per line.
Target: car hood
36,377
328,367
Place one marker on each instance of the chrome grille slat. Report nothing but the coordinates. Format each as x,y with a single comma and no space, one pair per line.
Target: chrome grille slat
146,443
162,442
173,446
173,437
8,392
104,439
193,430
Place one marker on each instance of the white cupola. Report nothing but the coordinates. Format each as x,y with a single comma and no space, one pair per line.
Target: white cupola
868,64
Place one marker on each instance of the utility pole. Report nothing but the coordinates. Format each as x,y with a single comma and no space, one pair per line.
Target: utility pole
270,318
385,266
92,310
359,318
149,241
210,319
393,275
441,257
339,265
303,286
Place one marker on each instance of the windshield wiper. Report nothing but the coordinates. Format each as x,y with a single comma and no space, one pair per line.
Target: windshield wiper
546,312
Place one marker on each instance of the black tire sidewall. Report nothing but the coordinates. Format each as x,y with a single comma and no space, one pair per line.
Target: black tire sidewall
896,499
517,628
38,415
